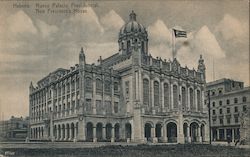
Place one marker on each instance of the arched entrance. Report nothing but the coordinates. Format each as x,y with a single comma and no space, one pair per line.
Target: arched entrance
117,131
203,132
89,136
63,132
147,131
99,131
108,131
158,129
67,133
59,132
128,130
194,131
172,132
72,131
185,132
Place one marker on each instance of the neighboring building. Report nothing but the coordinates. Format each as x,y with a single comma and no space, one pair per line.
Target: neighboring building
129,96
14,129
229,100
245,127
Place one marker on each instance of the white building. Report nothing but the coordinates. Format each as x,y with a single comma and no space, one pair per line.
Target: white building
129,96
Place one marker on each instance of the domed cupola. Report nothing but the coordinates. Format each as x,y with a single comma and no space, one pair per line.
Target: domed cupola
133,33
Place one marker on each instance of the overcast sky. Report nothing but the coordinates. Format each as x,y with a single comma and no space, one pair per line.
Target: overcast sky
33,45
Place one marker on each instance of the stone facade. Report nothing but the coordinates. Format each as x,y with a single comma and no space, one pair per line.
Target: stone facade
229,101
129,96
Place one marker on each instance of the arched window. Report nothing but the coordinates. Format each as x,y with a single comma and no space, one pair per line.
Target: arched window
145,92
235,100
128,45
199,100
142,47
156,93
98,85
175,96
191,94
183,94
244,99
107,86
166,95
89,84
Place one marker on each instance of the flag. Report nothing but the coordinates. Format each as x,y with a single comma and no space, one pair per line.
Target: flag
179,34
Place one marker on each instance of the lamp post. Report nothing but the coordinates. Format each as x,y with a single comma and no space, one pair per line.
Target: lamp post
208,95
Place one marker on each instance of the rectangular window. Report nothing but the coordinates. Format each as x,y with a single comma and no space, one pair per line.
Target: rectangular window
228,120
244,108
213,112
99,108
235,109
214,121
236,119
116,107
220,102
221,120
228,110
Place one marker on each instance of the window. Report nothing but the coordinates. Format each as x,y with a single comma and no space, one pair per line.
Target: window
244,99
213,104
145,92
228,120
214,121
236,119
99,108
166,95
127,89
228,101
88,105
213,93
214,112
156,93
116,107
244,108
235,100
183,93
199,100
98,85
235,109
191,92
220,102
221,111
175,96
107,86
221,120
220,92
89,84
228,110
116,87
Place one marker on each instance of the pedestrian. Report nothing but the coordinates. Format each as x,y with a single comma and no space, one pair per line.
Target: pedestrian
228,139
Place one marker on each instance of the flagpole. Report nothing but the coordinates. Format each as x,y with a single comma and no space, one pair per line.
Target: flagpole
173,44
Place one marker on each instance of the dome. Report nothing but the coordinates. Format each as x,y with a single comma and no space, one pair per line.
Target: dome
132,26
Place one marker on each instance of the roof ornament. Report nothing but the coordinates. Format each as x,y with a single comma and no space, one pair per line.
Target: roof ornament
132,16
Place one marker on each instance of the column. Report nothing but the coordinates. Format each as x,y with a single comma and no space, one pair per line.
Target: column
62,133
75,134
225,134
171,96
188,98
155,140
218,134
232,134
195,98
57,133
165,138
199,134
70,133
94,134
112,95
104,133
113,134
81,130
152,95
94,94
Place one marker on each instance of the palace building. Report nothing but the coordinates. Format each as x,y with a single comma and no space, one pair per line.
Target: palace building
229,103
129,96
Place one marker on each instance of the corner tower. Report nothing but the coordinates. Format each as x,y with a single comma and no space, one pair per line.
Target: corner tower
133,33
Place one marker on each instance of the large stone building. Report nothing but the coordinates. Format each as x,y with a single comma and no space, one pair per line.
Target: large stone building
16,128
229,101
129,96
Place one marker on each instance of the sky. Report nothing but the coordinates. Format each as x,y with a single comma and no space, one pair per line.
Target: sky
34,44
